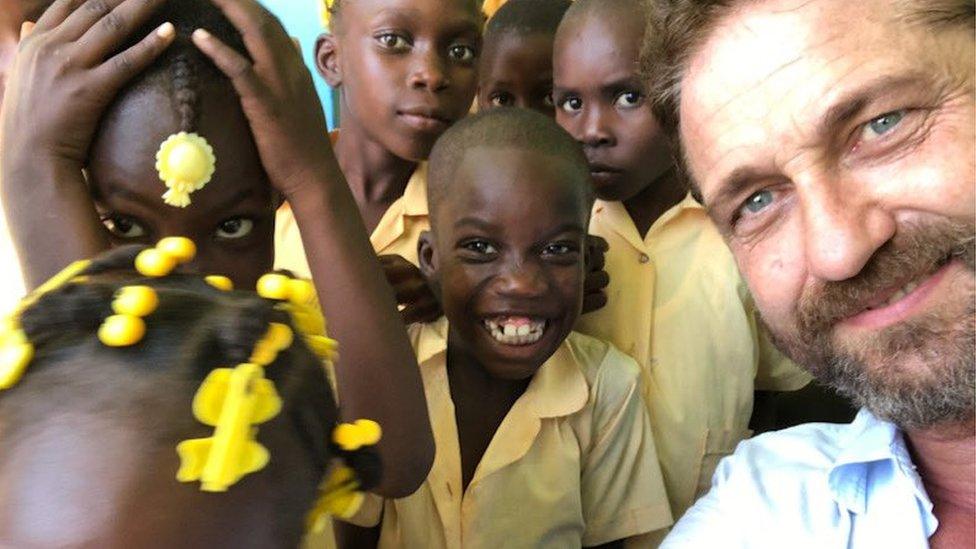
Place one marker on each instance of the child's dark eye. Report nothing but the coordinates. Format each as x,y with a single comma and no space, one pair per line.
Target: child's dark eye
235,227
392,41
461,53
559,249
629,99
123,227
501,99
572,105
479,247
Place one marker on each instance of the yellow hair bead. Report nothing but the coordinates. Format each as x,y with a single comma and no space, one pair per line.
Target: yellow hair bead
353,436
14,358
264,353
121,330
302,292
220,282
155,263
274,286
185,162
135,301
280,335
181,248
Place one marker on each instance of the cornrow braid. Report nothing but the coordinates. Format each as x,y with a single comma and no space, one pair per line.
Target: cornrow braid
185,91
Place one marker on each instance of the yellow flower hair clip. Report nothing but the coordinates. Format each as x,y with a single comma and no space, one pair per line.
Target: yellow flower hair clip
185,162
16,351
232,401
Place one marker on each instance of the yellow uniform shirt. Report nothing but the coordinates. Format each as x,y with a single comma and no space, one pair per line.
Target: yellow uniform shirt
572,463
677,304
397,232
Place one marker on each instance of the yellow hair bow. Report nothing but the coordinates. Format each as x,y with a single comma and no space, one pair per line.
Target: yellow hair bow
233,401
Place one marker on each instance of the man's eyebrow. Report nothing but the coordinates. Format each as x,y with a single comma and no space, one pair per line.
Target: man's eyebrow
845,108
852,102
731,185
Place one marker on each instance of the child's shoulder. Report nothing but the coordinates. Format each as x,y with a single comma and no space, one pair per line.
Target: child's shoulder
603,365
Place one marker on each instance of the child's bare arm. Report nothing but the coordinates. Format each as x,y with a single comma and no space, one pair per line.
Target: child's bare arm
63,78
377,373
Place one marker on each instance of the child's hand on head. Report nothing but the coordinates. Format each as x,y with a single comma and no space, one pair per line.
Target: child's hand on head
413,293
65,74
276,94
597,279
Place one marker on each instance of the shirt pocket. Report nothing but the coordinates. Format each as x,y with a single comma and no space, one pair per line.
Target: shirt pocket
718,444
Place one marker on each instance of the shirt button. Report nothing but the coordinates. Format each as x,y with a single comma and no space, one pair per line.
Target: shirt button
644,258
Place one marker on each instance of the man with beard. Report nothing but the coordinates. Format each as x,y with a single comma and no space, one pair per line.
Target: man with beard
832,143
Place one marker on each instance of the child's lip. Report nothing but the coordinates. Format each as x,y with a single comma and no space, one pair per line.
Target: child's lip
424,116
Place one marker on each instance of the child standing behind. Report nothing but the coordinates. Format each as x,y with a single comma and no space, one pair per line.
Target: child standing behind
516,66
676,302
542,436
406,71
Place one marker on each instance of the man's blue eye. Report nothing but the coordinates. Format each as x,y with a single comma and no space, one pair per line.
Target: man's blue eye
758,201
886,122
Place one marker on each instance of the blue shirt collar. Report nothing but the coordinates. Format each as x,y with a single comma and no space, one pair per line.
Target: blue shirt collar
873,443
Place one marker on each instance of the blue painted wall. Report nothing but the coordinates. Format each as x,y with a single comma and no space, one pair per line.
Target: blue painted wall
301,20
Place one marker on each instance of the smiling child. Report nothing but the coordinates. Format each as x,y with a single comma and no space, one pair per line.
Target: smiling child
542,436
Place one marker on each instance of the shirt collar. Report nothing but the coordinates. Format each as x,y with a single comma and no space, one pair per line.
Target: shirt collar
872,443
557,389
615,216
415,194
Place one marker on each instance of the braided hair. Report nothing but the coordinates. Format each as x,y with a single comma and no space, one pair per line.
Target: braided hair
195,329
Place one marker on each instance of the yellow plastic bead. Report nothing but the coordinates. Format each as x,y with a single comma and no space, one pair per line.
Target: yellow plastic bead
155,263
280,335
302,292
135,301
121,330
353,436
181,248
220,282
274,286
264,353
14,359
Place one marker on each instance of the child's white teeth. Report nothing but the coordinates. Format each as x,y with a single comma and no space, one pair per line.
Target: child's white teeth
508,332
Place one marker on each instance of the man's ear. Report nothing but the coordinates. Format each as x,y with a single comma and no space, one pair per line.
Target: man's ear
426,256
327,59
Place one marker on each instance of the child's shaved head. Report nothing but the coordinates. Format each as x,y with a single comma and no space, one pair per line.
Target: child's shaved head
631,9
519,129
526,17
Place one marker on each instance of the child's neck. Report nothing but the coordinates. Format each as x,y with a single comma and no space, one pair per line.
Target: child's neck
481,403
650,204
376,177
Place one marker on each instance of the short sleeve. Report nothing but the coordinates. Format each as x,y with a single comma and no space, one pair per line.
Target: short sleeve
776,372
369,513
622,489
